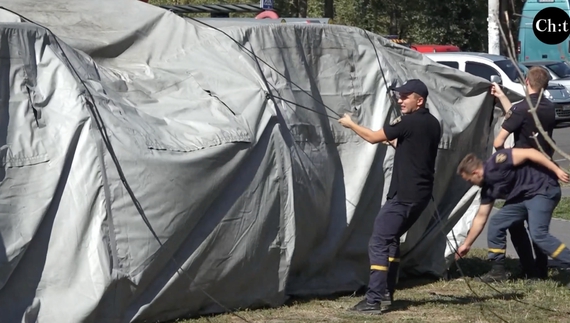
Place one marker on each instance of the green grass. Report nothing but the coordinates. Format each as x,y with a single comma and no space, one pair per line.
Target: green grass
562,211
437,301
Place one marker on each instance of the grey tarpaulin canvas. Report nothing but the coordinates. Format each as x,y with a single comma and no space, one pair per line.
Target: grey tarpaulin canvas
128,112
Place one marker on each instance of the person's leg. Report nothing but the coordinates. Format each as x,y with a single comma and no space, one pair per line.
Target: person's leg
509,215
540,263
415,210
540,210
522,244
382,240
393,270
383,237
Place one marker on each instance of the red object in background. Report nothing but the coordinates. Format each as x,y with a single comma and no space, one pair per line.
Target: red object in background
435,48
145,1
267,14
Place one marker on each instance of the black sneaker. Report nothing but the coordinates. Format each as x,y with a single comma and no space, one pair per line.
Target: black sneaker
526,277
387,300
364,307
496,274
533,275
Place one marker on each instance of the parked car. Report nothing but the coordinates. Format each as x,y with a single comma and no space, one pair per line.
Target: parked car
486,65
559,70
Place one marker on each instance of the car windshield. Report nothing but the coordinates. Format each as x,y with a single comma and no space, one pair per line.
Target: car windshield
561,69
511,70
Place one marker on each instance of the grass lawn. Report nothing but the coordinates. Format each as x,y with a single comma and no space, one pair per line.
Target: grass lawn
562,211
425,300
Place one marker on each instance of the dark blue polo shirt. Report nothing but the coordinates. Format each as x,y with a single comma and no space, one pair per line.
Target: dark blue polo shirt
520,122
503,180
418,135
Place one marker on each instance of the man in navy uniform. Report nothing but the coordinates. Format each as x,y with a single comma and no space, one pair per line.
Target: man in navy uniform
528,182
520,122
415,135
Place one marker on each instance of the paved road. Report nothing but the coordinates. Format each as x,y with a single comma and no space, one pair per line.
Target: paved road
562,138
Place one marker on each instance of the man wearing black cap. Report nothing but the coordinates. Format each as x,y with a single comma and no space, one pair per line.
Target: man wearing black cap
417,134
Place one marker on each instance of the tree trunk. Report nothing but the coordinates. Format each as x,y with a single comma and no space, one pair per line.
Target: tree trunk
393,30
295,10
303,8
329,9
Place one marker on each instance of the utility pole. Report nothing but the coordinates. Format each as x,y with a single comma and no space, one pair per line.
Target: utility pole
494,38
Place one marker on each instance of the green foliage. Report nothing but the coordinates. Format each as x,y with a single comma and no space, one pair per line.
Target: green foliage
457,22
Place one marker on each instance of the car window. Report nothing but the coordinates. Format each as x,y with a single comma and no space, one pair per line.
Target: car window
560,69
450,64
511,69
482,70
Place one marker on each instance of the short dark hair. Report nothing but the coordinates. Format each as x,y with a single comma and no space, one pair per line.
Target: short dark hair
469,164
538,78
417,96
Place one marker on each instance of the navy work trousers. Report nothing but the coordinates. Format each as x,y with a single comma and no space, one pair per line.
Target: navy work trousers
538,213
394,219
530,266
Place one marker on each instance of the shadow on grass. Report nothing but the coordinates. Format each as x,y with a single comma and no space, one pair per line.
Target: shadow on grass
476,267
561,276
467,267
441,299
434,298
472,267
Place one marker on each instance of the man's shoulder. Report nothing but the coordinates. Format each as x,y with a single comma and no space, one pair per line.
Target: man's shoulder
521,107
546,102
423,122
546,107
428,119
396,121
434,123
498,159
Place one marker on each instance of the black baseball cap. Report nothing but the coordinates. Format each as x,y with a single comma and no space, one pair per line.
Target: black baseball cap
413,86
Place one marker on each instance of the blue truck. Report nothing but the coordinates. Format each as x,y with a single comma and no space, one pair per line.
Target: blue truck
529,48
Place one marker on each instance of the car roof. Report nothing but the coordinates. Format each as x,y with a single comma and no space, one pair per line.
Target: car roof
491,57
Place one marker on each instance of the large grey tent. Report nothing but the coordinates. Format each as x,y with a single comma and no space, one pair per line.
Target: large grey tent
153,168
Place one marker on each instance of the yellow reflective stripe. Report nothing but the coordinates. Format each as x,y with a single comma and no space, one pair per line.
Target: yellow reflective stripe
392,259
376,267
558,251
497,250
